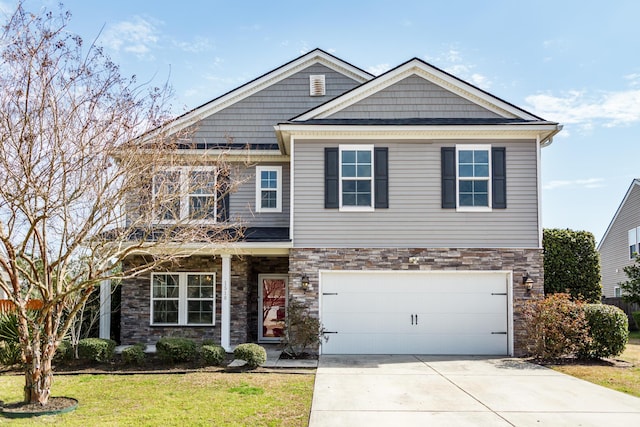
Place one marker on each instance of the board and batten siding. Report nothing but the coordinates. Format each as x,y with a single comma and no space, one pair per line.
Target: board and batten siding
614,250
243,201
413,97
251,120
415,218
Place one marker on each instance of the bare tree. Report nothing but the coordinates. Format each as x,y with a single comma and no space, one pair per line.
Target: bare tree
77,182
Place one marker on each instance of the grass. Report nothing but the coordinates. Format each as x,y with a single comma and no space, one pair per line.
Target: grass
626,380
197,399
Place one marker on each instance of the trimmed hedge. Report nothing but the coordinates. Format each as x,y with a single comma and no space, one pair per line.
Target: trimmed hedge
253,354
175,349
134,355
609,331
63,352
96,349
213,354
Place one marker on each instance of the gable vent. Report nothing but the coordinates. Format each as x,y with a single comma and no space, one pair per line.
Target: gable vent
316,85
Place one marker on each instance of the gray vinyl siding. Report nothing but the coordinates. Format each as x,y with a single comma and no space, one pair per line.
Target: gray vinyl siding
251,120
413,97
415,218
243,201
614,250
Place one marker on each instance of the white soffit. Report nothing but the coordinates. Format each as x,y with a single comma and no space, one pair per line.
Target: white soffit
428,72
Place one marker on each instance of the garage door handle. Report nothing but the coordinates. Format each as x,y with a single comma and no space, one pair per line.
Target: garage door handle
412,319
498,293
498,333
416,319
329,293
329,332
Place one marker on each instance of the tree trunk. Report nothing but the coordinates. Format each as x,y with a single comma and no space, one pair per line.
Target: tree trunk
37,388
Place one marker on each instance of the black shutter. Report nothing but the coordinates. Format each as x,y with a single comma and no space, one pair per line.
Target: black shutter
222,197
499,177
381,177
448,163
331,176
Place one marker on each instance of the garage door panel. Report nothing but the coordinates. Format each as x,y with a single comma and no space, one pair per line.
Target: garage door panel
415,312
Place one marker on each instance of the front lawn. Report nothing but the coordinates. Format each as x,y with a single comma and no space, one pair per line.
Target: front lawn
622,379
203,398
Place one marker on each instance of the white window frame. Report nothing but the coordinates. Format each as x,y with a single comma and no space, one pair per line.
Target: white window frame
259,189
365,147
183,300
185,194
473,147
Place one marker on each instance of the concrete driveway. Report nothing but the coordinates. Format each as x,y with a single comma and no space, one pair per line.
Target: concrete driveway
401,391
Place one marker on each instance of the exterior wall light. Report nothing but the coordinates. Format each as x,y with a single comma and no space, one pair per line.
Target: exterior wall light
304,282
527,281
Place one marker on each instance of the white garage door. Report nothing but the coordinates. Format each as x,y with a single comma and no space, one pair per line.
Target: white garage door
391,312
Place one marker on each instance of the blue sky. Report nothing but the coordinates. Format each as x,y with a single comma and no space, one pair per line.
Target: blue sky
575,62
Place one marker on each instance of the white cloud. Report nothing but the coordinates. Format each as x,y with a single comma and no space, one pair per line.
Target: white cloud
197,45
452,62
137,36
378,69
576,183
609,109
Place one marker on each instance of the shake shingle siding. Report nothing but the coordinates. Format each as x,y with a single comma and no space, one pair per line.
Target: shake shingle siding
251,120
414,97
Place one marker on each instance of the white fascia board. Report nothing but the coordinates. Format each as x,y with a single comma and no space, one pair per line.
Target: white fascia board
418,132
263,82
419,68
615,216
236,248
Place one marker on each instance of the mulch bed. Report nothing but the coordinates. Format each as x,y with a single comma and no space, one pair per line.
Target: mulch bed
54,405
616,363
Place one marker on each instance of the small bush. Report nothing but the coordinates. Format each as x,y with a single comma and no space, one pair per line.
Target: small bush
302,331
608,329
175,349
555,326
213,354
253,354
134,355
96,349
64,352
10,352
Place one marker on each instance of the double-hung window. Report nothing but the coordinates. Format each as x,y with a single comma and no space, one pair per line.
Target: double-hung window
183,299
185,193
473,177
634,242
269,188
356,177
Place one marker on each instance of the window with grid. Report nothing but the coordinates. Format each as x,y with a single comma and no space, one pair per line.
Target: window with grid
268,188
185,193
356,176
474,176
183,299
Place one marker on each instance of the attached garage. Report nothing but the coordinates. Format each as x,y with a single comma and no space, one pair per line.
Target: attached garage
417,312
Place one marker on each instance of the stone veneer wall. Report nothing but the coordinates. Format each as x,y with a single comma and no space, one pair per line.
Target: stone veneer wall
310,261
136,300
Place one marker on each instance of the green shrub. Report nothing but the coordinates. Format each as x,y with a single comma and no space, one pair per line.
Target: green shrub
608,329
63,352
96,349
555,326
134,355
10,352
175,349
303,332
253,354
213,354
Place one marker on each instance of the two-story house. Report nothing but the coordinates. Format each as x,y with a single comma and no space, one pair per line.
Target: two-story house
403,209
621,242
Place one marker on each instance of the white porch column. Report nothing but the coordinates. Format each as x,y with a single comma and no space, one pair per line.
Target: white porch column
225,316
105,309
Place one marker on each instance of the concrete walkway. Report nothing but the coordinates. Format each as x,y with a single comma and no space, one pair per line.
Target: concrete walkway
453,391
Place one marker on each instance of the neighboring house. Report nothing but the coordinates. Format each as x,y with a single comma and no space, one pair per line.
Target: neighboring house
621,242
403,209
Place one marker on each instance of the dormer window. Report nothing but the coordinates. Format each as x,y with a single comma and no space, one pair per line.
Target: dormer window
316,85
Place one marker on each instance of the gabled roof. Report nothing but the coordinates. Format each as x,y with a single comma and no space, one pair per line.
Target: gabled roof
316,56
635,182
429,72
